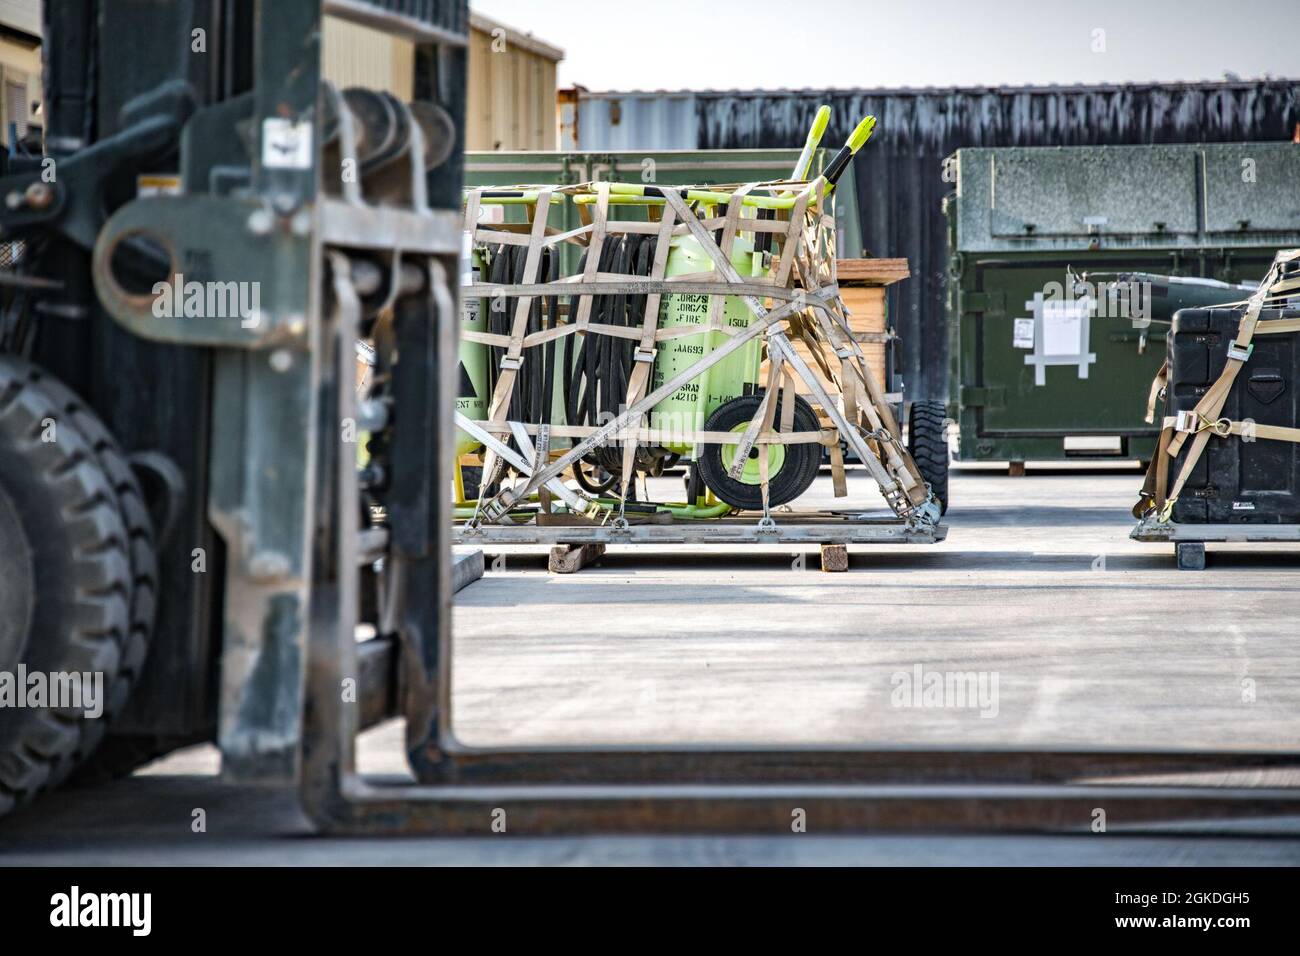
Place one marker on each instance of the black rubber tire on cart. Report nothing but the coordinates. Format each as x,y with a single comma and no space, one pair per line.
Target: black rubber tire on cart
927,443
77,586
793,467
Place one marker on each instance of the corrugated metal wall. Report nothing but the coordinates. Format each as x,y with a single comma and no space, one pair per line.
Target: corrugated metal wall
899,175
511,78
511,91
619,121
356,55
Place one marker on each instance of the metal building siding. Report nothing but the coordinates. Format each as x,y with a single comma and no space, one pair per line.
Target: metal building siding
511,93
899,174
628,121
356,55
511,97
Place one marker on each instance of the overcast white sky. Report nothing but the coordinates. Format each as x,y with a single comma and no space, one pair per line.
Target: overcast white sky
868,43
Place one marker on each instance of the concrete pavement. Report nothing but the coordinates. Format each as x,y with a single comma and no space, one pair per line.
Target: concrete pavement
1037,624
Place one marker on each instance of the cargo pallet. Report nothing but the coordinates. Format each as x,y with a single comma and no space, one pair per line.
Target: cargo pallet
1189,540
576,545
805,306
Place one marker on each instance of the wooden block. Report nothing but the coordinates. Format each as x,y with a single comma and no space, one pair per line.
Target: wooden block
568,558
835,557
1016,469
875,271
1190,555
862,289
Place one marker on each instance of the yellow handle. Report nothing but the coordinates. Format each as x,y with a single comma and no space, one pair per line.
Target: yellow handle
862,133
820,122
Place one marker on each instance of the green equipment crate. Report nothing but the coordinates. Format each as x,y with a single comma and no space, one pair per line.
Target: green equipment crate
672,167
1022,217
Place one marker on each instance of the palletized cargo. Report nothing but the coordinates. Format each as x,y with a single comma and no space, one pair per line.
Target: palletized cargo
1250,481
1043,371
1227,465
669,291
677,167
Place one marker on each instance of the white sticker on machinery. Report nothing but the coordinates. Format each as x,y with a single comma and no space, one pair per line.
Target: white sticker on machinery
1060,335
1022,334
285,144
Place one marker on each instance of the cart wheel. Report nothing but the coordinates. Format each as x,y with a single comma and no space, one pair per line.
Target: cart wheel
927,443
791,468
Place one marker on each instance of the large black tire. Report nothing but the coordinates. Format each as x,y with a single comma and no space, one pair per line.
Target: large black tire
927,443
795,474
144,569
75,541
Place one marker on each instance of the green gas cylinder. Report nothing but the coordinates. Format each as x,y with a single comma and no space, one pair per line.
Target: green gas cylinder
686,409
472,393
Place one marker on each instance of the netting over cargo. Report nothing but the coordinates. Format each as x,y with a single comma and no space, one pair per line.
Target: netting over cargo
647,349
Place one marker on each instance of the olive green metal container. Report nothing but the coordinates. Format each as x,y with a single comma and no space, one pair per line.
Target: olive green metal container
1035,376
670,167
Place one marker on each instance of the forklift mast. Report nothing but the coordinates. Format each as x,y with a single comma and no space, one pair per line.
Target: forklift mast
208,232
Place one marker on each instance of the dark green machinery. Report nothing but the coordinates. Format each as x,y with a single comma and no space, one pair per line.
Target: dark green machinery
201,239
1045,368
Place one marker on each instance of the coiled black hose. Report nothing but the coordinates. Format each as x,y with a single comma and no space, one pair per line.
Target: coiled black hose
530,397
594,369
595,383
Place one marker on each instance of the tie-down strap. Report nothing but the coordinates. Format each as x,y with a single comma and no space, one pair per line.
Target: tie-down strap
1203,421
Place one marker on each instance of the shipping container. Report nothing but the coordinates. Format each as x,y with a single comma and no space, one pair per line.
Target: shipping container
677,167
900,178
1041,371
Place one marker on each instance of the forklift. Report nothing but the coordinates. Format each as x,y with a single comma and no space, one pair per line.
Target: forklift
204,234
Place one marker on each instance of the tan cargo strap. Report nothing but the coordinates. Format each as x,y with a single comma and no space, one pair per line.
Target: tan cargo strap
1203,421
1252,431
1152,495
1158,385
1211,404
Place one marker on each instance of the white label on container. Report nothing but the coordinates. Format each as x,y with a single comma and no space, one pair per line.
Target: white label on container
471,305
1243,506
285,144
1022,334
1063,326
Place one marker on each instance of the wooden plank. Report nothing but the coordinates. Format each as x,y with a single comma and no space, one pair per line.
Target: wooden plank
866,307
568,558
873,271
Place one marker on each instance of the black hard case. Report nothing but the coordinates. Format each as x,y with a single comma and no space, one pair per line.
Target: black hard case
1237,481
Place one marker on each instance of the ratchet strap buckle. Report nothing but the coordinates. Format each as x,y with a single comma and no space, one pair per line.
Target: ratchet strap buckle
1240,353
